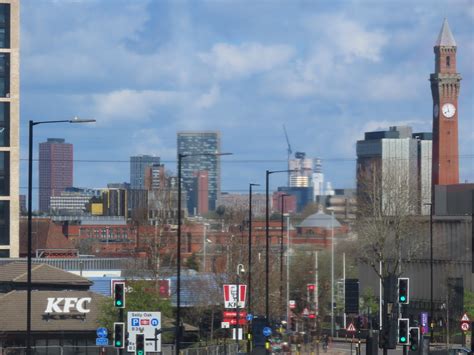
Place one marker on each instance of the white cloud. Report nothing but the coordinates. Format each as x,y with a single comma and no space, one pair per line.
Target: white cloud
231,61
208,99
132,105
348,38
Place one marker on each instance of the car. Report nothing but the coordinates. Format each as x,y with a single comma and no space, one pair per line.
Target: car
459,350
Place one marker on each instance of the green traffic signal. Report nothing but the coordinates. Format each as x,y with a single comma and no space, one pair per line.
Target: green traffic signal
403,339
118,303
140,352
118,343
403,298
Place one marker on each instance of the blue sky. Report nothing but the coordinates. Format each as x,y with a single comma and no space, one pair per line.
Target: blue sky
328,70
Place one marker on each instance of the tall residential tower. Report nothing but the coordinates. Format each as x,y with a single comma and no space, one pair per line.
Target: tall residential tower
55,170
196,143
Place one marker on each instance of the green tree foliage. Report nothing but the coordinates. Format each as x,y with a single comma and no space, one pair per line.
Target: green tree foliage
192,262
143,297
469,303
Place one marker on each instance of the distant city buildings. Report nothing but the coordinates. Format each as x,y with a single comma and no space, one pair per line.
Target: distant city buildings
302,167
72,201
138,165
55,170
241,202
200,142
9,128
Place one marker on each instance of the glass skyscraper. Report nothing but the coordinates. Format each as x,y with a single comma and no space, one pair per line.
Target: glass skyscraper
200,142
137,169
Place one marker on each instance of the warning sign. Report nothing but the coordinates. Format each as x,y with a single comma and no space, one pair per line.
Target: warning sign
351,328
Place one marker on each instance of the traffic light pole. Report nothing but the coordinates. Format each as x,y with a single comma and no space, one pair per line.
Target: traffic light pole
121,320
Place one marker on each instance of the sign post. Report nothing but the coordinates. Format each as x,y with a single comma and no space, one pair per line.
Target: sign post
231,297
148,324
465,323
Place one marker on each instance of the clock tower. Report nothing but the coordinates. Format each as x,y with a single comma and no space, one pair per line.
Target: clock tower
445,84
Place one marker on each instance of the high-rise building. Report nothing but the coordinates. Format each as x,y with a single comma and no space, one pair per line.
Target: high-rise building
318,179
138,165
302,170
9,128
154,176
200,199
196,144
391,169
55,170
445,85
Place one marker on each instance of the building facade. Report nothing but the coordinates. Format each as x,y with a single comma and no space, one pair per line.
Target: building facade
55,170
138,165
197,144
9,127
302,167
388,169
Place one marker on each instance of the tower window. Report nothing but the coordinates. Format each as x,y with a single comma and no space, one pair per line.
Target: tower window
448,61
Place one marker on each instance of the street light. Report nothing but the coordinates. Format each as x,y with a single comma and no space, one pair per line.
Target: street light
178,253
332,270
267,239
30,207
250,259
240,269
431,270
282,196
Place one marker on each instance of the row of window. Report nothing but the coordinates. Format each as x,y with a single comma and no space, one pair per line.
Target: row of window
105,233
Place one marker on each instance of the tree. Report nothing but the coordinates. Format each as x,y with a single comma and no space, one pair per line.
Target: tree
143,297
387,224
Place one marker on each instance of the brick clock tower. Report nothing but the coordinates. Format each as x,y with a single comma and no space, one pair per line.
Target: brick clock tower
445,84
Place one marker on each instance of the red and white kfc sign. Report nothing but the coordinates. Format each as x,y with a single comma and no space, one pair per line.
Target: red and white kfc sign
230,296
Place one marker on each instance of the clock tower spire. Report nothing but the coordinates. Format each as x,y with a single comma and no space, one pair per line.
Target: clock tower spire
445,85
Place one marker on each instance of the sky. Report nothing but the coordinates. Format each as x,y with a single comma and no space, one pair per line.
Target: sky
145,69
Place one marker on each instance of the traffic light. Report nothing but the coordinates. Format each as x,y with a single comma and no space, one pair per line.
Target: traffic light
403,290
403,324
119,294
414,338
119,335
311,287
359,323
140,344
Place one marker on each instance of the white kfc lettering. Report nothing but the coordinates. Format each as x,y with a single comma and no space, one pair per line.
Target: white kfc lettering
53,306
69,303
80,304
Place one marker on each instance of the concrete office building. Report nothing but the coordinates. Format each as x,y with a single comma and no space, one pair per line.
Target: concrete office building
390,161
138,165
303,169
9,127
199,142
55,170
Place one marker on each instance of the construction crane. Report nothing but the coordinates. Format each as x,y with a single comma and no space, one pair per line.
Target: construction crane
289,151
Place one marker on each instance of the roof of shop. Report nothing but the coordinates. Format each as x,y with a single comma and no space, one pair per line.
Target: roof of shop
40,273
13,311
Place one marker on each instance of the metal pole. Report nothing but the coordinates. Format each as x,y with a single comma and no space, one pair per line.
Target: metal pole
267,241
250,246
237,308
332,274
178,264
288,270
344,284
30,188
204,243
316,280
281,254
431,272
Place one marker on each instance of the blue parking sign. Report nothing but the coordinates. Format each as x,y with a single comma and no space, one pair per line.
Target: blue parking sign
135,322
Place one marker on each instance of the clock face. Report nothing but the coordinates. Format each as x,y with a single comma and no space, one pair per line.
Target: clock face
448,110
435,110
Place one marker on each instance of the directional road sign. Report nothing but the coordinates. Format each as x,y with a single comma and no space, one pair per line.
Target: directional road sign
101,332
267,331
147,323
101,341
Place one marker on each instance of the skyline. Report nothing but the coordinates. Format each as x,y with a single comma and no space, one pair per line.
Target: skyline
146,70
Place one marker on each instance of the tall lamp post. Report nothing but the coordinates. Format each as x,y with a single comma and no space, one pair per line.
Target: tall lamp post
431,270
181,156
30,207
240,269
332,271
267,240
250,246
281,250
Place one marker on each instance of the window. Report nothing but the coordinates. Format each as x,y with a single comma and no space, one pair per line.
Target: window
4,174
4,25
448,61
4,124
4,74
4,223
